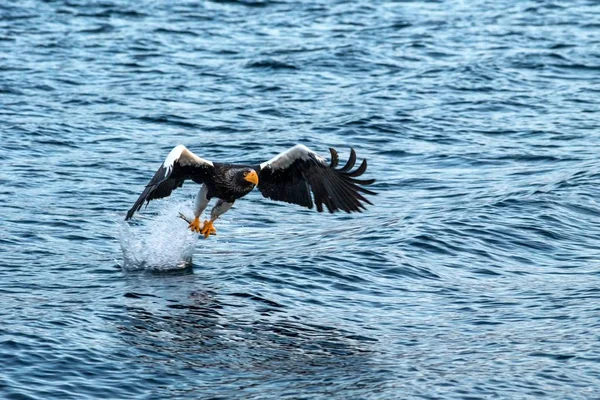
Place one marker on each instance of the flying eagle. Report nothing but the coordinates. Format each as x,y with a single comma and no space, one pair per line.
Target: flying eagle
295,176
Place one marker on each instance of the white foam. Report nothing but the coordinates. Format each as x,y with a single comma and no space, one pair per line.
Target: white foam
160,242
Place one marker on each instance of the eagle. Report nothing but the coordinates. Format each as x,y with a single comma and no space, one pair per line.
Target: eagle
297,176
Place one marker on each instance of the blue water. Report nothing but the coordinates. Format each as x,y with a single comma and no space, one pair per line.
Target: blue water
474,276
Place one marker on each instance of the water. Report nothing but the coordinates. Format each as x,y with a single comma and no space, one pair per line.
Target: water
475,275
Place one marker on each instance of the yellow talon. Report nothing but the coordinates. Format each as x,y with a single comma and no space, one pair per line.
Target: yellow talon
208,229
195,225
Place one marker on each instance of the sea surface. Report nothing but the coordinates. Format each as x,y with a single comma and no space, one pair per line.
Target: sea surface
475,274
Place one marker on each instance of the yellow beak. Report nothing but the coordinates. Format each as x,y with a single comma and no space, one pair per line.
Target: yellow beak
252,177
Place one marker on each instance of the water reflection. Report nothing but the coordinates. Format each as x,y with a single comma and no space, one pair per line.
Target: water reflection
208,332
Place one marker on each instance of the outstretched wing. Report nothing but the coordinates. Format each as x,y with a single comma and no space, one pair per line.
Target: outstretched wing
181,164
296,173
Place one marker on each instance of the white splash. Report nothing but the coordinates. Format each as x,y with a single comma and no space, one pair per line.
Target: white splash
161,242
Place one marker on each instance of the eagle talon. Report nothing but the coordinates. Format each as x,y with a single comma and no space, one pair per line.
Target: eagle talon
208,229
195,225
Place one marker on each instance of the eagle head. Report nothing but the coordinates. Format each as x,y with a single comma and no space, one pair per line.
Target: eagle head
246,177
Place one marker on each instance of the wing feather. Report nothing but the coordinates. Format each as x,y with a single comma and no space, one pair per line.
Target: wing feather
350,163
334,157
181,164
343,196
299,175
360,170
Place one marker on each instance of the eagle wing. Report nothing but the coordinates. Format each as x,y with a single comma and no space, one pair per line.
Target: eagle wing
181,164
298,174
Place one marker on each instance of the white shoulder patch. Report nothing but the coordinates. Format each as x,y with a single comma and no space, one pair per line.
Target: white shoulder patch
287,158
173,156
181,154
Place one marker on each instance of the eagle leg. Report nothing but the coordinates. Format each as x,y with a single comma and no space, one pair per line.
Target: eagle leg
208,228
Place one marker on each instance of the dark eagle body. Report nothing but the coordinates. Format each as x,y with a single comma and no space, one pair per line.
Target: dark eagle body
297,176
